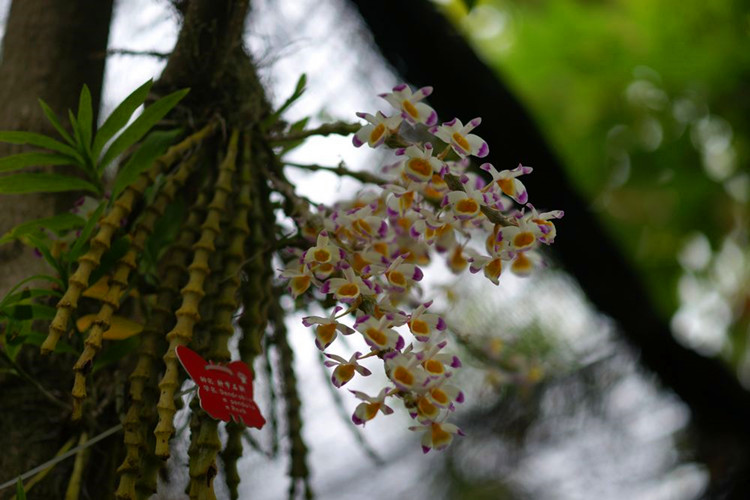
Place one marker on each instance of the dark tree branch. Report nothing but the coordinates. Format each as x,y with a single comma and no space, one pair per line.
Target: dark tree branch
425,49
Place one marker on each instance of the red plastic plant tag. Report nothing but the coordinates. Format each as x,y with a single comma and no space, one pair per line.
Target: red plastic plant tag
225,391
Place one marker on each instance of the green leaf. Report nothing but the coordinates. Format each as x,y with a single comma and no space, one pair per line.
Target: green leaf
85,117
119,118
43,183
152,147
26,312
38,338
20,491
117,249
45,277
141,125
55,121
116,351
77,249
22,160
26,295
39,140
299,89
42,246
57,223
87,164
297,126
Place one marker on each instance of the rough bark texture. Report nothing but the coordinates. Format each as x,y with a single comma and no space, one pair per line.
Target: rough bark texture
49,51
425,49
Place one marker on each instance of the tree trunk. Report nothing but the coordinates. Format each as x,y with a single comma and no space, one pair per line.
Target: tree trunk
51,48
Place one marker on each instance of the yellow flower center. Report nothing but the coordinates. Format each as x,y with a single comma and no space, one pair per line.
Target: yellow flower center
344,372
421,167
326,332
467,206
377,336
440,438
523,239
396,278
322,255
349,290
410,108
433,366
507,186
419,327
439,396
461,141
403,375
377,132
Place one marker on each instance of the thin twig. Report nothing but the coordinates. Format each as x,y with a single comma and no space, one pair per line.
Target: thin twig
338,128
130,52
341,170
22,373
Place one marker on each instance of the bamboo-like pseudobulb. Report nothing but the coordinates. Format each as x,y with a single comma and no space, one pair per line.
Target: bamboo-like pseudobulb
121,208
192,293
135,481
298,470
119,282
257,294
206,442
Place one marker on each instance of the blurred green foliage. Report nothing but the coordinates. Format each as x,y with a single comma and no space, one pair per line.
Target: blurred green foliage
648,104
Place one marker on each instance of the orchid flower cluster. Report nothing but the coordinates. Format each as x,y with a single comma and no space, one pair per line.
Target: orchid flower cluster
369,252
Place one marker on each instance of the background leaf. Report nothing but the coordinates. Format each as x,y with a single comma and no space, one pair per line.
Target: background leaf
55,121
140,127
57,223
85,117
77,248
39,140
152,147
119,117
22,160
43,183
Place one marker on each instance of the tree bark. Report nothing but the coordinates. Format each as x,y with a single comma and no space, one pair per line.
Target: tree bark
51,48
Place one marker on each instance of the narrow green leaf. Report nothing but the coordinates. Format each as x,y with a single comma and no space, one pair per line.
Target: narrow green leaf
85,117
20,491
55,121
28,294
299,89
39,140
26,312
77,248
23,160
41,245
140,127
76,129
119,118
43,183
87,164
38,338
115,351
44,277
152,147
56,223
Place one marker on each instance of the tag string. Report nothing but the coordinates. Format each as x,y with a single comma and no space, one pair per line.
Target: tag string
70,453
